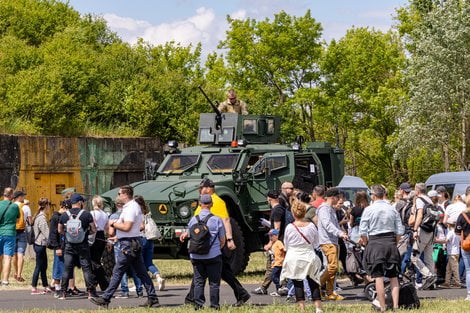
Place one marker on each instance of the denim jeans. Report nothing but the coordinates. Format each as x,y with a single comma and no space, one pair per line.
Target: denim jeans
124,280
126,259
207,269
275,275
147,252
466,261
41,266
58,266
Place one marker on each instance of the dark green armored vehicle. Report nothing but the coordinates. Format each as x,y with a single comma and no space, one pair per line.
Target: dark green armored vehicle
241,154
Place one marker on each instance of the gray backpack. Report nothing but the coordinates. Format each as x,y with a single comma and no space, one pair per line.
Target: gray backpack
74,232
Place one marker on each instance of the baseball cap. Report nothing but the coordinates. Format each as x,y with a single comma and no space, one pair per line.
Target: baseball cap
274,232
18,193
75,198
273,194
206,183
205,199
406,187
433,193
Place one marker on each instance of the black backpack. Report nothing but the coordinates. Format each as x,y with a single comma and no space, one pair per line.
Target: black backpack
408,298
200,236
405,212
431,216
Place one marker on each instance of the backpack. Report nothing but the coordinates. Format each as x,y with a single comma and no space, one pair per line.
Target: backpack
431,216
408,298
288,217
405,213
151,230
29,232
465,242
200,236
74,232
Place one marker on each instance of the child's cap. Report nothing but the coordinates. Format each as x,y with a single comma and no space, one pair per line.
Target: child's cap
274,232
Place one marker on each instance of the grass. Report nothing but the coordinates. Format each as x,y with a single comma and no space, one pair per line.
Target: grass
176,272
428,306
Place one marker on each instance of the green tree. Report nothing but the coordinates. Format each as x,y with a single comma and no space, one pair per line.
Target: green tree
363,86
436,117
272,60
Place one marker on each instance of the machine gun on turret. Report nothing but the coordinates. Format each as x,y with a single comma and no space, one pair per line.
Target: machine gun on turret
218,114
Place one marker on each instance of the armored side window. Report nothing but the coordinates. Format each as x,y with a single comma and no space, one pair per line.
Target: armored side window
179,163
222,163
270,126
273,163
250,126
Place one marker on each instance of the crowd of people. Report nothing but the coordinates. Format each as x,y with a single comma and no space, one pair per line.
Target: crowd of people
420,235
77,237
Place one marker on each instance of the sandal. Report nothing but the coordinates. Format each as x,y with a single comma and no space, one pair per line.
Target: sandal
20,279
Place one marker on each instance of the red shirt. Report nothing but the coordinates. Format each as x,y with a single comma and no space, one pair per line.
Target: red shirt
316,204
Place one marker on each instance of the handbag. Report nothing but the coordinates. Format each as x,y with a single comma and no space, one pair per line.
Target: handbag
303,236
150,228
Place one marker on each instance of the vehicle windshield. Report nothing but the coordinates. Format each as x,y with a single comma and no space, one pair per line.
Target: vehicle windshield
178,163
222,163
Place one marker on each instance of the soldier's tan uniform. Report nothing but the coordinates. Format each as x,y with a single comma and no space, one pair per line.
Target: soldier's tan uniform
227,107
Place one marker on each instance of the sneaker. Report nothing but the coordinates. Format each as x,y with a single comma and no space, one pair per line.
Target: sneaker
274,294
444,285
47,290
283,291
290,299
418,286
132,288
140,294
160,283
376,305
260,291
57,294
4,283
36,291
334,297
428,282
243,299
62,296
122,295
75,292
151,302
99,301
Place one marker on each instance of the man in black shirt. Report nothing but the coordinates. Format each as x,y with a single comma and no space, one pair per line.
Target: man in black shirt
78,250
277,222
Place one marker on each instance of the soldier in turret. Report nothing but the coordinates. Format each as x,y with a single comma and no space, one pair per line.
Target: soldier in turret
232,104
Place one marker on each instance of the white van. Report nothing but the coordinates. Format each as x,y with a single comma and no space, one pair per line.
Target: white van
455,182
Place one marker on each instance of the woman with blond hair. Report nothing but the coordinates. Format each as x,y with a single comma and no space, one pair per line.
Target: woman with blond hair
99,242
41,234
301,261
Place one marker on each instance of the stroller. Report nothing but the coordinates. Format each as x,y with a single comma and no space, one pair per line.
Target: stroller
354,266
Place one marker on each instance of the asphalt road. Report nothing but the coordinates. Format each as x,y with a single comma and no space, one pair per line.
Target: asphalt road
18,300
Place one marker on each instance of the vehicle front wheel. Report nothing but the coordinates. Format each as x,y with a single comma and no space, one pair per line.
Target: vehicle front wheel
239,257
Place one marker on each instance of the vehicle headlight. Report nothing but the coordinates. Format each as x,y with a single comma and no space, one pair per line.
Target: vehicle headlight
184,211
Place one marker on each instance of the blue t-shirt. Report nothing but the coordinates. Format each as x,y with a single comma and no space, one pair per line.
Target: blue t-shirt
217,230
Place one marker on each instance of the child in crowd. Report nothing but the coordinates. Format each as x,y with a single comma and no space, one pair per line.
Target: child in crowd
278,253
453,253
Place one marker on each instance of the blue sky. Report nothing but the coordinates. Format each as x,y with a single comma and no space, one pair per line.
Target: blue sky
192,21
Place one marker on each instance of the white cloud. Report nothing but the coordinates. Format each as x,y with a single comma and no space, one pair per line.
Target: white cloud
125,23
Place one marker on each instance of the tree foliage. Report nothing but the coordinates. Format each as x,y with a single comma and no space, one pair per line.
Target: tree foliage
397,102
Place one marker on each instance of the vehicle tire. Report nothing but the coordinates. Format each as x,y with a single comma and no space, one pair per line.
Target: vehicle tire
239,257
108,261
370,291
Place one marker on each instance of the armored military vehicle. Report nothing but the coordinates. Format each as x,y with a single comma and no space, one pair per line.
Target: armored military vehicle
241,154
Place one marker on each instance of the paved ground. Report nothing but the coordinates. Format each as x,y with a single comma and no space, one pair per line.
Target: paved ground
174,296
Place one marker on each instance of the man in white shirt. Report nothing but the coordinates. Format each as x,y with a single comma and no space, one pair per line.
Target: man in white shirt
128,233
453,210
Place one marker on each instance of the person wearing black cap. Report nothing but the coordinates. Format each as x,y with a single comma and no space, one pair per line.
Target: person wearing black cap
277,220
404,207
128,234
219,209
77,250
